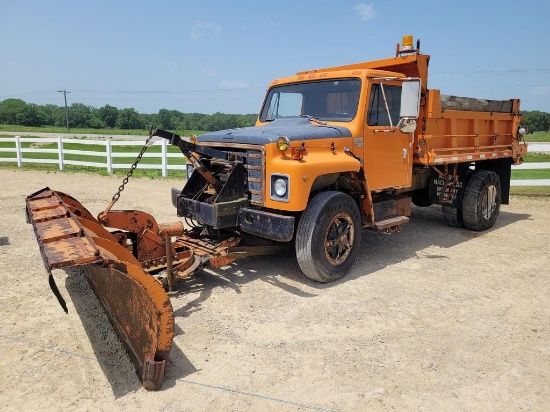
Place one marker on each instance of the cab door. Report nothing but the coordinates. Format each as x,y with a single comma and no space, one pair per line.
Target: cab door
388,151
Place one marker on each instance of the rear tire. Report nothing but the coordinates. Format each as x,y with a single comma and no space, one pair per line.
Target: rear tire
482,198
328,236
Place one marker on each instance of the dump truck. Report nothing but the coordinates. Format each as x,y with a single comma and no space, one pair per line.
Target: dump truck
334,151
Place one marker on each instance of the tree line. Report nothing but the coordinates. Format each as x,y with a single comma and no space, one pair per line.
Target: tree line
18,112
536,121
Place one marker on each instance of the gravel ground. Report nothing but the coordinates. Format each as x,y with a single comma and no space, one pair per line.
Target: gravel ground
431,318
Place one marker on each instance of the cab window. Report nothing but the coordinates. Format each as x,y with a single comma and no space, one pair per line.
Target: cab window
377,114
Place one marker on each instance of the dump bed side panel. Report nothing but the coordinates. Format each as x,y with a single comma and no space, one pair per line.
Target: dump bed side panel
462,129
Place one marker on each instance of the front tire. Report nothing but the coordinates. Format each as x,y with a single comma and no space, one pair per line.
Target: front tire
482,198
328,236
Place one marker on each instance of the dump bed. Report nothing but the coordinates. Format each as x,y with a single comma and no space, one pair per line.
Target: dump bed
462,129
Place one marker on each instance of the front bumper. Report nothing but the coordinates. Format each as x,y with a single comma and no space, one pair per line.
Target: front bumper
236,213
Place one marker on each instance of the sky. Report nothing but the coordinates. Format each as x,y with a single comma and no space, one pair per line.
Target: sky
219,56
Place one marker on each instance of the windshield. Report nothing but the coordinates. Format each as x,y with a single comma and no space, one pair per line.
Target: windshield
331,100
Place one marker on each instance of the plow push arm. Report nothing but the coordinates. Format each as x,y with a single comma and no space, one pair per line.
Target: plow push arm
187,148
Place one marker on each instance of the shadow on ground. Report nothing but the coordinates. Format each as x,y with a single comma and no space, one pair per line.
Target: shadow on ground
108,349
426,228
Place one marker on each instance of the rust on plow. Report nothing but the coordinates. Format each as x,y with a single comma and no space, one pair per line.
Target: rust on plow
141,314
62,239
136,303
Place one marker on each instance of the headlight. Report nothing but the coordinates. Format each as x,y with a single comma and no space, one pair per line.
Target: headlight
280,187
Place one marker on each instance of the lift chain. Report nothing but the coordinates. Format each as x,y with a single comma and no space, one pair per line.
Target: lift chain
116,196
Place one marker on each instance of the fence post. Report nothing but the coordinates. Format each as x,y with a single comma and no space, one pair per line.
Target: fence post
109,151
60,152
164,145
18,151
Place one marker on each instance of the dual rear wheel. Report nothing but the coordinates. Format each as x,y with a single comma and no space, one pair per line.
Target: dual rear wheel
480,204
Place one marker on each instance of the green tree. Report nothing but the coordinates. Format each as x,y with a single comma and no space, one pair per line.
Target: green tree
53,115
108,115
79,115
31,115
164,118
9,109
95,121
536,121
148,120
129,119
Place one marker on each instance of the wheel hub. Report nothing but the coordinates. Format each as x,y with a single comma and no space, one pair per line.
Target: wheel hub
489,203
339,238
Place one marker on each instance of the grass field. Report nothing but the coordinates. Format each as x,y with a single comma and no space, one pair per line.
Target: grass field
538,137
22,130
536,191
533,174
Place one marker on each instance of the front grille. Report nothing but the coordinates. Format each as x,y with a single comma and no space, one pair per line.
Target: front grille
254,171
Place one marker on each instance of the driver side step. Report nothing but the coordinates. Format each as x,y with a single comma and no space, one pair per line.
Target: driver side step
391,225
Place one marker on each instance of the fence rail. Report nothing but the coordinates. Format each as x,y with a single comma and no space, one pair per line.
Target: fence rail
60,151
22,153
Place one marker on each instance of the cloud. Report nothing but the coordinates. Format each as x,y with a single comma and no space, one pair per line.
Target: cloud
203,28
366,11
11,64
169,64
233,84
209,72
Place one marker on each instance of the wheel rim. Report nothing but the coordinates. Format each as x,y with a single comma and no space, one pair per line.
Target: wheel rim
489,202
339,238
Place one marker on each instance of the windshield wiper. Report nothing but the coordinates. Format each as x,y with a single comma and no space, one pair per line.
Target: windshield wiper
313,119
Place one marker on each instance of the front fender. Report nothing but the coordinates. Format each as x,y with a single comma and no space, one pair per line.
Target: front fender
302,173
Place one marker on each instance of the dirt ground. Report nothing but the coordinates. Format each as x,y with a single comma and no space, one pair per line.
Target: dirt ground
431,318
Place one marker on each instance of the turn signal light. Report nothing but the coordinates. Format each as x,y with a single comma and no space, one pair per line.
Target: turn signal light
297,153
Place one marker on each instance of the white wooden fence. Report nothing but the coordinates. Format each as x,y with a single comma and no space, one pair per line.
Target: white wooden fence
22,155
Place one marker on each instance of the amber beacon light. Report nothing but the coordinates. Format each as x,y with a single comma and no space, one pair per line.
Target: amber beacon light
407,43
406,46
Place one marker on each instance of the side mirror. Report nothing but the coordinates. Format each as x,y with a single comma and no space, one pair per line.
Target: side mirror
406,125
410,99
410,105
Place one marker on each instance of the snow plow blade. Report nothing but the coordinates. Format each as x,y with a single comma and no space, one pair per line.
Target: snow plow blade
135,302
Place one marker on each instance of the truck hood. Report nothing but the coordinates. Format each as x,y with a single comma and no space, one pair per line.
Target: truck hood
294,129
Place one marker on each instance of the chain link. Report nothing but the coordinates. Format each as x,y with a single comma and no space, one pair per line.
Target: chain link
116,196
